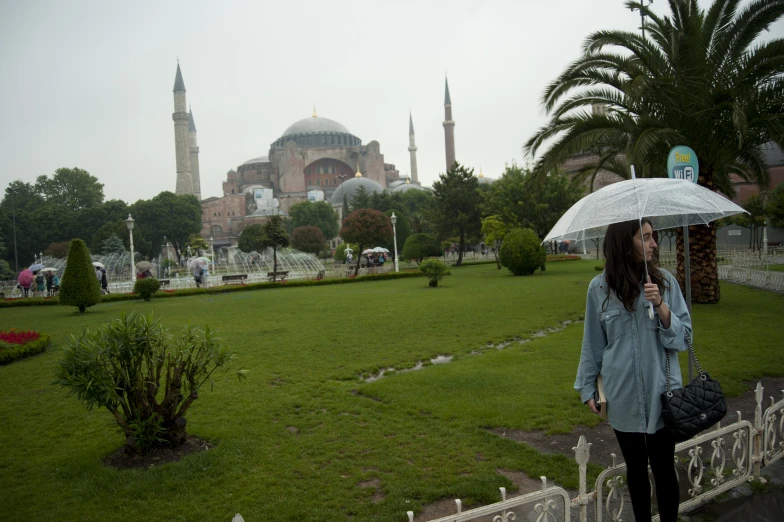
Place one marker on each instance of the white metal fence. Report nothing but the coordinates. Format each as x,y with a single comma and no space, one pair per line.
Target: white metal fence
707,465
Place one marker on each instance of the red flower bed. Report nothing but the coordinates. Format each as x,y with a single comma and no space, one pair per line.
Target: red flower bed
18,337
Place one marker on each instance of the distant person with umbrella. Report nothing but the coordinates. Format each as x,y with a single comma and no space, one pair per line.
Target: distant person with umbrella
104,281
25,279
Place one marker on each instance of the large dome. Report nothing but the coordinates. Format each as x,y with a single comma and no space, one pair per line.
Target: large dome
350,186
314,125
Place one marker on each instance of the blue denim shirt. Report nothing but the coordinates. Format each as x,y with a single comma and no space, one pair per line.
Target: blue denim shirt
628,349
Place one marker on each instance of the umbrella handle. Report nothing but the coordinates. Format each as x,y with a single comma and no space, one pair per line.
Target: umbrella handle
650,310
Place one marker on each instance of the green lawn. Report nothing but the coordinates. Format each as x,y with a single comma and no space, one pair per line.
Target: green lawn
296,439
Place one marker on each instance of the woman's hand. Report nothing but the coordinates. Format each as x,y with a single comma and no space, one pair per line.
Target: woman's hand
592,406
652,293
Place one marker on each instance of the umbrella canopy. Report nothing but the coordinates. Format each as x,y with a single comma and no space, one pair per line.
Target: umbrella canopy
669,203
48,269
381,249
198,262
368,251
98,264
36,267
141,266
25,277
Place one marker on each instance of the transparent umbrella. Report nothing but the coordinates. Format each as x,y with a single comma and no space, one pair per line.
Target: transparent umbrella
668,203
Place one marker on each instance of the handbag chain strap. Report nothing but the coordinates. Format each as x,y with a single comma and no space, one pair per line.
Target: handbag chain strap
692,355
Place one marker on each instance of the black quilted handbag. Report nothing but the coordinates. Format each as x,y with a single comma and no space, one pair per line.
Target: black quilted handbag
695,408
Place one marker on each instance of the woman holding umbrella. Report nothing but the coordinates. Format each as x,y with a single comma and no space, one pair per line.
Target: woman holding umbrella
25,279
629,350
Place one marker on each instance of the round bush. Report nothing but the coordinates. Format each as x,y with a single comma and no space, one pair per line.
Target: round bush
419,246
146,288
434,270
522,252
79,287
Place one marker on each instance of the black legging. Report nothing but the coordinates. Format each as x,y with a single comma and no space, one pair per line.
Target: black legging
638,449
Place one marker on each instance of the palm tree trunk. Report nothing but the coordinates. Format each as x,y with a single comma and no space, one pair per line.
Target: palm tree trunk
704,269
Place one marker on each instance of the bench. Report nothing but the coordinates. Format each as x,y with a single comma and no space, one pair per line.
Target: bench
234,278
164,282
277,276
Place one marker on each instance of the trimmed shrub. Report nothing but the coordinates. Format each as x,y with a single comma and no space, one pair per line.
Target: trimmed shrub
146,288
120,365
522,252
434,270
12,351
79,287
419,246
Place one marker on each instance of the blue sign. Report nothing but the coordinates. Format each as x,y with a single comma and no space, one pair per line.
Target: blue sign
682,164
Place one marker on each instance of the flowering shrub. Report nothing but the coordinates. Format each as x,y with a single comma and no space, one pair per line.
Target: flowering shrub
13,336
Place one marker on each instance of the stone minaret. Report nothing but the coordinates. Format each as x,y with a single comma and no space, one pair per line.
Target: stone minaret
412,148
449,129
194,156
181,146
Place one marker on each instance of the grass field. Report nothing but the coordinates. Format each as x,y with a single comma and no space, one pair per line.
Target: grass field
298,438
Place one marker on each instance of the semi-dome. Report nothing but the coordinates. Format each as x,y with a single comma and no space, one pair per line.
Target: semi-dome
406,186
396,183
350,187
260,159
314,125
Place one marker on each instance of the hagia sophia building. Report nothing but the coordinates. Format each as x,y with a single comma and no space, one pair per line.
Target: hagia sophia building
314,159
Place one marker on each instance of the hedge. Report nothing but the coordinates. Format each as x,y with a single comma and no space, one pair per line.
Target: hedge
11,352
223,289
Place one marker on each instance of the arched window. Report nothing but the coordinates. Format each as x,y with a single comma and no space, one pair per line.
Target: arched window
216,230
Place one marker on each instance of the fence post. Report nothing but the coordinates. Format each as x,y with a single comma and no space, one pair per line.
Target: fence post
582,453
756,455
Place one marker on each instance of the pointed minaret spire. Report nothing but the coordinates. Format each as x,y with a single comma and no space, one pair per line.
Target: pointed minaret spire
193,157
449,128
191,123
412,148
182,137
179,84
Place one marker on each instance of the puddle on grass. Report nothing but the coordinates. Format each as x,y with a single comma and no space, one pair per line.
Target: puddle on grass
443,359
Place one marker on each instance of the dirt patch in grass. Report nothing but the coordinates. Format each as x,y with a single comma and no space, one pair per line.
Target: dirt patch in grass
120,460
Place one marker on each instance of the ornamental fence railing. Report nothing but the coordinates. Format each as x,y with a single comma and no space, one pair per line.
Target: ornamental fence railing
707,465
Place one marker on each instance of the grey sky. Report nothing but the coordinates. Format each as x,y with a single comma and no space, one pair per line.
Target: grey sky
89,84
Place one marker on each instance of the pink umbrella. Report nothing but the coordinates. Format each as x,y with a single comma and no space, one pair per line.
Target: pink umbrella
25,277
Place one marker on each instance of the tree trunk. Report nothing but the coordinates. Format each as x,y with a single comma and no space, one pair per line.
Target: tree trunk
704,270
359,258
462,245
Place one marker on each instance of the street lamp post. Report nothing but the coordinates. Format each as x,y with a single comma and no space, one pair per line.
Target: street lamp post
394,237
130,222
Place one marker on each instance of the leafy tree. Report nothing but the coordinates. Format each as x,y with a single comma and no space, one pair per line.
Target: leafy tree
308,239
754,220
366,227
386,200
401,229
494,230
418,223
174,216
700,78
416,201
58,249
119,367
458,204
251,239
6,274
119,229
775,207
521,252
73,188
198,244
434,270
21,202
113,245
420,246
315,214
275,237
360,199
79,287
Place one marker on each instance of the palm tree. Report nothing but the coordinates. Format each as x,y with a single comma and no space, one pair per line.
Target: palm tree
700,78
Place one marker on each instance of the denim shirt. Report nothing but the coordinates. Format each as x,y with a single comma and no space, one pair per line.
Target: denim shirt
628,349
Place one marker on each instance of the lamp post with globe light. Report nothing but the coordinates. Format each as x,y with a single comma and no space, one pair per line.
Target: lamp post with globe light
130,222
212,251
393,218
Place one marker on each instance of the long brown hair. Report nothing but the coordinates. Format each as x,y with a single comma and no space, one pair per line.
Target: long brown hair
622,270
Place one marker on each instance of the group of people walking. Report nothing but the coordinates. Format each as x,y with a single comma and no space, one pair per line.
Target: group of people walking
38,283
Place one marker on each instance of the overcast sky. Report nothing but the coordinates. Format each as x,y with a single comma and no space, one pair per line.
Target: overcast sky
89,84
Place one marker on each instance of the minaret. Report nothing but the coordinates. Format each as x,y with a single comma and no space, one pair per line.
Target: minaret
194,156
181,147
412,148
449,129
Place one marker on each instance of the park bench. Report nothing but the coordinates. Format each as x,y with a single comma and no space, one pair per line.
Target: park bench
234,278
164,282
277,276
